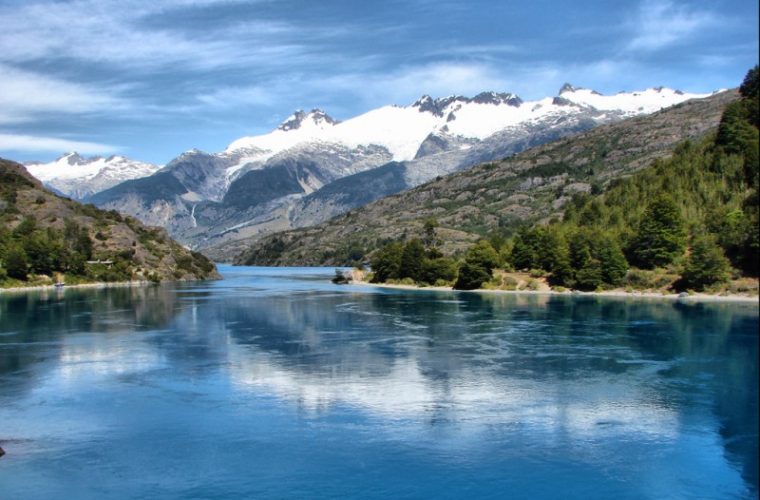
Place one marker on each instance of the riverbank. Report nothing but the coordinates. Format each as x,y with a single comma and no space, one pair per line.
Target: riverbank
695,297
99,284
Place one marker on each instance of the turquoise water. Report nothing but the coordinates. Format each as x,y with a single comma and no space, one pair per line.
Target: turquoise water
277,384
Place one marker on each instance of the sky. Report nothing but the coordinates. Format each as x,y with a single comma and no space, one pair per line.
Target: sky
151,79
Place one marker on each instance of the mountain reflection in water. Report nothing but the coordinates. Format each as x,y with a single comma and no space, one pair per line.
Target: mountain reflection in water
637,398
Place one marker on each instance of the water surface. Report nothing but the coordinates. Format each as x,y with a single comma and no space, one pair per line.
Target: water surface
275,383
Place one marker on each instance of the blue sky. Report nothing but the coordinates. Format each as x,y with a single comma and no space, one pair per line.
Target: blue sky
152,79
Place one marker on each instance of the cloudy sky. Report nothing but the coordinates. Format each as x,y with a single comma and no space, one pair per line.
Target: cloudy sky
152,79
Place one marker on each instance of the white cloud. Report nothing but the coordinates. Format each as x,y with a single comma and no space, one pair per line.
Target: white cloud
662,23
39,144
235,96
24,95
119,33
406,84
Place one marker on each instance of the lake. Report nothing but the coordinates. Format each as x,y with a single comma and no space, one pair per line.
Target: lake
274,383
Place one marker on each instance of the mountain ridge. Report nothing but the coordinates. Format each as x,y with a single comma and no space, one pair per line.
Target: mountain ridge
533,184
431,137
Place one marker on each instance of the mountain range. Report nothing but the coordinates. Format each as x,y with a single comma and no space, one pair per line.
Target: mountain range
314,167
79,177
529,187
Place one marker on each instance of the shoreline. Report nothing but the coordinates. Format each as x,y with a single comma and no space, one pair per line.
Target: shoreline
96,284
698,297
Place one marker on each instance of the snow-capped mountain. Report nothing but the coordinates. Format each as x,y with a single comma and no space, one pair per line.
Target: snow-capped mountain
256,184
78,177
401,130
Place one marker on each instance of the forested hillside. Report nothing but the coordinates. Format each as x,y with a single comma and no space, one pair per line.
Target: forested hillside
686,222
45,238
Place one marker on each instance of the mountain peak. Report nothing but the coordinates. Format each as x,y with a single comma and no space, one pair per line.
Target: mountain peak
72,158
299,117
438,106
568,88
497,98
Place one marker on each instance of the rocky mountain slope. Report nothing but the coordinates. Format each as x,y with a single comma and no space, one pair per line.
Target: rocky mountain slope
268,183
42,234
78,177
530,186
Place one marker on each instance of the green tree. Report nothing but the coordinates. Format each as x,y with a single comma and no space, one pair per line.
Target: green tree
580,246
562,272
525,249
471,276
590,276
412,259
661,236
83,244
441,268
706,265
613,262
16,263
26,227
484,255
429,227
386,262
750,90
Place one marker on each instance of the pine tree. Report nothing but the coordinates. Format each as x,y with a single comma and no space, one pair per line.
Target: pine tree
661,236
613,262
707,265
412,260
16,263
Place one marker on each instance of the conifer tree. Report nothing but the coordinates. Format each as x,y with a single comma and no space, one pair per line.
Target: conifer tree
706,265
661,236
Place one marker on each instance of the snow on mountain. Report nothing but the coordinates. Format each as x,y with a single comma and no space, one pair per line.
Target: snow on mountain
78,177
401,130
289,176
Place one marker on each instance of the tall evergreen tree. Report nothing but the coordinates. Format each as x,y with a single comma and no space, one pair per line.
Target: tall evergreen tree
16,263
706,265
412,260
661,236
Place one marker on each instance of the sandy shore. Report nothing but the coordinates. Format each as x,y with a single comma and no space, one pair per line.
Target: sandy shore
697,297
116,284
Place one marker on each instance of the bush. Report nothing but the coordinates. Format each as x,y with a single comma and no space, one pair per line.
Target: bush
643,279
509,283
533,285
340,278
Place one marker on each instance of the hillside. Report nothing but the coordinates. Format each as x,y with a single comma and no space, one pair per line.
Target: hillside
531,186
44,237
